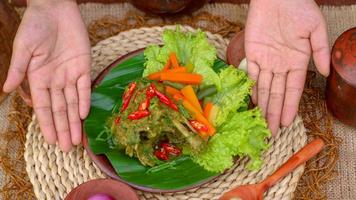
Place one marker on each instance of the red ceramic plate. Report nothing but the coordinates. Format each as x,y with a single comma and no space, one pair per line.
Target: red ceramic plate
103,163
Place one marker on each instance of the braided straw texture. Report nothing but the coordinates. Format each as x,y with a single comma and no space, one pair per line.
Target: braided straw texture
54,173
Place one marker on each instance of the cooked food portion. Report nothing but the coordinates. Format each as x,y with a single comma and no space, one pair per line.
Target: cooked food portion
150,126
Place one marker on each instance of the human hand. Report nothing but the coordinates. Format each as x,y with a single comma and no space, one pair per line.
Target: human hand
280,36
52,50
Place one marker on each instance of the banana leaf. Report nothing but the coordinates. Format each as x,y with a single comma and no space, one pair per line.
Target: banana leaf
105,97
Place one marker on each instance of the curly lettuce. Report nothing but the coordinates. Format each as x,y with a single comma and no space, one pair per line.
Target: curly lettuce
234,95
190,48
244,134
155,59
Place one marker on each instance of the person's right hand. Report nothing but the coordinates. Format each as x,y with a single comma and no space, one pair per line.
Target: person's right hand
52,49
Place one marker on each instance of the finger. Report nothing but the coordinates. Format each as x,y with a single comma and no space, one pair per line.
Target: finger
24,92
253,72
42,106
84,90
18,67
75,125
59,109
263,90
276,98
294,90
320,48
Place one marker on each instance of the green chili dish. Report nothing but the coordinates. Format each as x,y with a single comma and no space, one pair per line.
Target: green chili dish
190,128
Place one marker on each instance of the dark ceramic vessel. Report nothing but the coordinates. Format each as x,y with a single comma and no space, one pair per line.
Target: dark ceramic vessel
341,84
235,52
168,7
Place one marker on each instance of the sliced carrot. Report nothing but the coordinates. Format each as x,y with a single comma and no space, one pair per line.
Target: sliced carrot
155,76
189,94
196,114
178,97
171,90
177,70
174,60
186,78
167,65
207,109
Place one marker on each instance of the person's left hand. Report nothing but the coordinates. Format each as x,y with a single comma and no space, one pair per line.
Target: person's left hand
280,36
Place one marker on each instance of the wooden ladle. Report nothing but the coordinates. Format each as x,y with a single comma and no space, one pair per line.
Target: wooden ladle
256,191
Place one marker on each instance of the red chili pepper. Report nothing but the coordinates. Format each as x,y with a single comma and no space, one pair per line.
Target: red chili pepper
127,96
144,105
161,154
117,120
150,92
126,103
130,90
173,106
139,114
165,100
171,149
198,126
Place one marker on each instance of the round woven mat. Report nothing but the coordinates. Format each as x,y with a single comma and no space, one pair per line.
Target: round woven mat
54,173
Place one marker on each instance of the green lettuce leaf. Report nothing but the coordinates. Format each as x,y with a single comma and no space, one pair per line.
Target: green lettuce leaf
190,48
236,87
243,135
155,59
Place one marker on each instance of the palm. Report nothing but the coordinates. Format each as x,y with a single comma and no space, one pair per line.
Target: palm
56,44
280,37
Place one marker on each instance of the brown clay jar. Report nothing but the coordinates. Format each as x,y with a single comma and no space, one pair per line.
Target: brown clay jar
9,21
341,83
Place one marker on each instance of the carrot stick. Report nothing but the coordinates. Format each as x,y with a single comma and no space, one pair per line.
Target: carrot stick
186,78
207,109
167,65
174,60
199,117
195,113
157,75
177,70
154,76
190,95
171,90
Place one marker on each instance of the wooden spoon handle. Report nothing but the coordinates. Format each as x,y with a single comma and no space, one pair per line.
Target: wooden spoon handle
303,155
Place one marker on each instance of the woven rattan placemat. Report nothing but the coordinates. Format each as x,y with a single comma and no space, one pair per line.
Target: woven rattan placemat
54,174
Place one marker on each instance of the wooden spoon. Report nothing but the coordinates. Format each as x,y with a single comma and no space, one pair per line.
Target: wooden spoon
256,191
